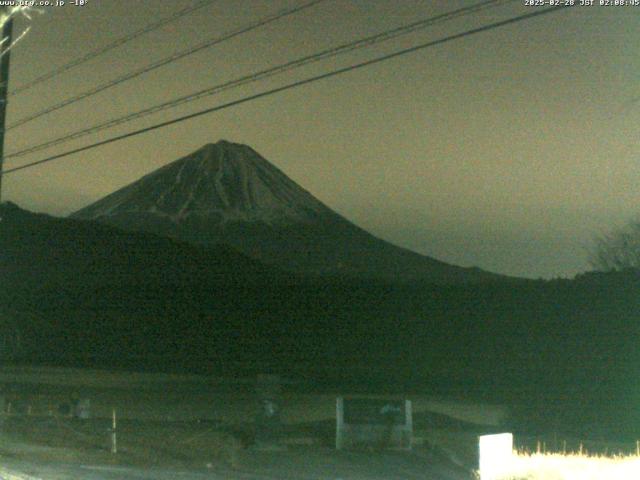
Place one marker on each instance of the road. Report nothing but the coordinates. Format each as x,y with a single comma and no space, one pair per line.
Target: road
288,465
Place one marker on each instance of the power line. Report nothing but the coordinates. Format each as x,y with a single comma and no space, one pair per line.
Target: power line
165,61
115,44
263,74
292,85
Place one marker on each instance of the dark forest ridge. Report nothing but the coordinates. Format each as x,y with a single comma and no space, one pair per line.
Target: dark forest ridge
57,251
84,294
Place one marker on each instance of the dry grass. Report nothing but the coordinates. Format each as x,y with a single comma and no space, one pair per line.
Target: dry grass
179,420
140,443
572,466
173,397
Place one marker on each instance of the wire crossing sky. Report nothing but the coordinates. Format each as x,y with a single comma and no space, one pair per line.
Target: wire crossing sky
106,48
286,87
165,61
263,74
510,150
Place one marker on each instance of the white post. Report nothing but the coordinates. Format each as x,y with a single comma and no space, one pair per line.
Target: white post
114,440
408,423
339,423
496,455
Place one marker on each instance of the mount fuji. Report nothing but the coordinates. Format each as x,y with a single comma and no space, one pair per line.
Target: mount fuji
227,193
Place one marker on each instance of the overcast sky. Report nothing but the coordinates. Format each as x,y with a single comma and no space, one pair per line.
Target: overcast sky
508,150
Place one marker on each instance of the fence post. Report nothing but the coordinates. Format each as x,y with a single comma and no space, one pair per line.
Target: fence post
339,423
114,439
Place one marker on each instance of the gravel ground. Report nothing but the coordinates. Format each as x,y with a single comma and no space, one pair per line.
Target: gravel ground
299,464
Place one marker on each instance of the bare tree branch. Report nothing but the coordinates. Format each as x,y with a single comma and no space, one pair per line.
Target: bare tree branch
617,250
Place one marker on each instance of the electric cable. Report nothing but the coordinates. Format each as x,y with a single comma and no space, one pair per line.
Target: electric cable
165,61
264,74
110,46
292,85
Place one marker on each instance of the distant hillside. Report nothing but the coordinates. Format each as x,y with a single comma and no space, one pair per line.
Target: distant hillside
38,250
227,193
84,294
95,293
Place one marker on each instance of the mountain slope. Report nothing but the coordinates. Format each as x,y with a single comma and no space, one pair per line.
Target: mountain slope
40,250
227,193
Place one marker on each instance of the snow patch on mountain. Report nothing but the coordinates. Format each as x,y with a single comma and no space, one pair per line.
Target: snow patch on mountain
228,181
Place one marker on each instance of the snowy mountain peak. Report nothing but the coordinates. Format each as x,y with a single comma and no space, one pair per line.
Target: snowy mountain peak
226,193
224,181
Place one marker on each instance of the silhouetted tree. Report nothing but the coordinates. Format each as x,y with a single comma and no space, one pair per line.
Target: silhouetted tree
618,250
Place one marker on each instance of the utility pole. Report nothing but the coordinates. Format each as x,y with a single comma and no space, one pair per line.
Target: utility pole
5,56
